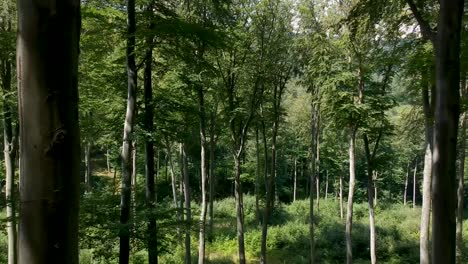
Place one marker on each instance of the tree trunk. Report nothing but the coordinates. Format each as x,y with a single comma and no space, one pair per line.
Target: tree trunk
414,183
426,206
317,162
428,108
10,144
239,210
150,192
87,157
326,186
204,171
108,161
376,174
352,182
461,177
211,177
341,197
370,194
447,59
461,187
265,155
269,195
126,190
295,180
50,138
406,185
313,148
174,189
257,178
188,210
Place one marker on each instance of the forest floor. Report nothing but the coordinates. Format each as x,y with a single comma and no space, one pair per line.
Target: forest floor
397,231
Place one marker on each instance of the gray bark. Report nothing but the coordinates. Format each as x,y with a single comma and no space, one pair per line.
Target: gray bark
10,144
126,185
414,183
188,210
50,140
203,176
405,193
352,182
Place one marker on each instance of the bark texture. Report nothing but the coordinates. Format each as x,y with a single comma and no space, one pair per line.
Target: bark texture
150,191
48,39
447,110
126,186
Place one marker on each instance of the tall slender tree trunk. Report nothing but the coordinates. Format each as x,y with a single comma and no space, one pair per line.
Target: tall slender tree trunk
460,189
352,182
295,180
212,179
10,144
317,162
50,138
188,210
126,188
428,107
108,161
370,194
174,189
150,192
326,186
414,183
87,158
376,174
257,178
461,177
313,160
269,196
239,209
204,171
341,197
405,193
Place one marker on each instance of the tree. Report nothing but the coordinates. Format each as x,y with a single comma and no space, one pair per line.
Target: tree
150,193
49,136
126,187
446,42
10,134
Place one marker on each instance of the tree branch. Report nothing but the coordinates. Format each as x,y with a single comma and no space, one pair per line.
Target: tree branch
426,30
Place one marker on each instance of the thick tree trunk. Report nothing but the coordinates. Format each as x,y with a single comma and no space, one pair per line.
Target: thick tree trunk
239,209
405,193
460,189
203,176
447,47
150,192
352,182
126,188
188,210
10,144
50,140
